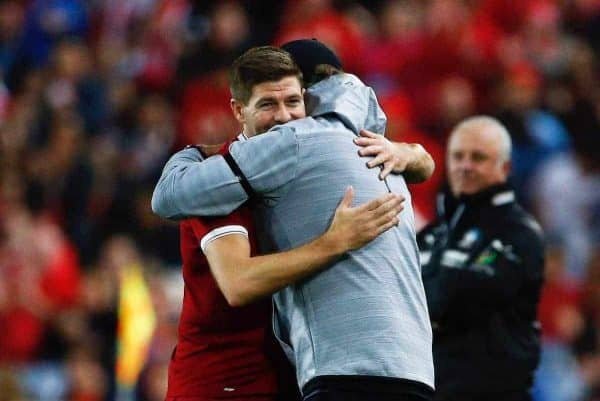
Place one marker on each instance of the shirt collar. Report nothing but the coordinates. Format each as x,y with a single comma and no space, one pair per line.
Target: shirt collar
496,195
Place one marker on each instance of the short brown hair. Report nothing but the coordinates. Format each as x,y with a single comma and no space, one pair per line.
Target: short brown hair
323,71
258,65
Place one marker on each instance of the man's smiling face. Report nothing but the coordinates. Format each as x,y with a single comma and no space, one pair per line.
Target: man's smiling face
271,103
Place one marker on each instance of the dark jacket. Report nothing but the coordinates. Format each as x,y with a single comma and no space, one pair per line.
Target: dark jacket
482,263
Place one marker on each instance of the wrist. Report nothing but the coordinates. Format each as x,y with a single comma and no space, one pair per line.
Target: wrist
331,244
403,151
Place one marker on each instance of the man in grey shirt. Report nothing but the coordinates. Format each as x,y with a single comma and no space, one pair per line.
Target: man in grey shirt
360,329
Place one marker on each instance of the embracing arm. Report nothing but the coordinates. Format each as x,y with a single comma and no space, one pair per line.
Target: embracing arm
191,186
409,159
244,279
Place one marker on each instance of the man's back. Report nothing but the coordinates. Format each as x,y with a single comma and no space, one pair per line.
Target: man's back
367,314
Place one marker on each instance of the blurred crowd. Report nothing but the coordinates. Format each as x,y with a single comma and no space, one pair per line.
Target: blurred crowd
95,96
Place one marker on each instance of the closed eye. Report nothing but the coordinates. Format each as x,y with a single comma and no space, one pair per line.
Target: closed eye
294,101
265,105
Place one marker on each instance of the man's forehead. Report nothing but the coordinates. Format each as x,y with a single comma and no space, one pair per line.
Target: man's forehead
482,135
483,138
287,85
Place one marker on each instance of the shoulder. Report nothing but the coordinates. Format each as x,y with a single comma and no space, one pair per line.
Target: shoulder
238,220
303,124
522,225
189,153
522,234
281,138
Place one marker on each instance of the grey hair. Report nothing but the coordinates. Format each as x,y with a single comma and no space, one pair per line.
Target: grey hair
491,122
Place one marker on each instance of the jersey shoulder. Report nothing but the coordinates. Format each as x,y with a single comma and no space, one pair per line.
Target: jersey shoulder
204,225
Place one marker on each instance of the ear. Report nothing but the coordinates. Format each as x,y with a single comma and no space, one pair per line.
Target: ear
237,108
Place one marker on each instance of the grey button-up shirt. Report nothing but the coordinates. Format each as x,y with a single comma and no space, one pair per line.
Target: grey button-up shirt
366,314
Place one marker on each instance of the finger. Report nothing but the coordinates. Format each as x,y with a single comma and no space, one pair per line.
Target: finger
384,219
379,159
391,205
371,150
402,200
375,203
368,134
400,210
365,141
392,223
347,199
387,169
398,206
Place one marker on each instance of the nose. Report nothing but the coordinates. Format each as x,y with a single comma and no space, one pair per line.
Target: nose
465,163
282,115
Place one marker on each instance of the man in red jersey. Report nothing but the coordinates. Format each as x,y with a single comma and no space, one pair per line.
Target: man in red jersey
225,349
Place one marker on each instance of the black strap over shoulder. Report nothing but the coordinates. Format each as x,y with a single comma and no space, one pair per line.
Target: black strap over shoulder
238,172
234,168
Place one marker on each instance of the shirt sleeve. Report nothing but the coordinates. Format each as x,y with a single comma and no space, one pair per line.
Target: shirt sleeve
268,161
192,186
220,233
207,230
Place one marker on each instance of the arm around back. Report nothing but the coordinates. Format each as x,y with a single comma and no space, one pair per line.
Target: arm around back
192,186
244,279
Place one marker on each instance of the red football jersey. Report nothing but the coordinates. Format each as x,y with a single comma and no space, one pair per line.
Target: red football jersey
221,351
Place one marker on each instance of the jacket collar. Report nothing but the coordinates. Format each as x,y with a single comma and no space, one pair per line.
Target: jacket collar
495,196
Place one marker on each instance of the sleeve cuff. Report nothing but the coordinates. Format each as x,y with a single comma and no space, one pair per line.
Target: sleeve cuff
221,232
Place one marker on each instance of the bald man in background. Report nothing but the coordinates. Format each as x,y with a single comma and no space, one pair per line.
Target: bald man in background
482,264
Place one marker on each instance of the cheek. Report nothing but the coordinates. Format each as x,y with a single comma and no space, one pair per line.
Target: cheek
299,112
453,168
262,117
488,172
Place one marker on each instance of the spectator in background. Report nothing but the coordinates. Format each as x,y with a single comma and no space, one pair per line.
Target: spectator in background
572,216
228,35
202,75
400,31
42,280
570,364
482,262
319,19
536,133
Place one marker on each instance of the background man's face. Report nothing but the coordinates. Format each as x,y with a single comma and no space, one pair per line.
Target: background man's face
475,160
271,103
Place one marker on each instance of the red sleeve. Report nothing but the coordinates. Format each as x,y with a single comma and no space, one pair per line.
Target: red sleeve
204,226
